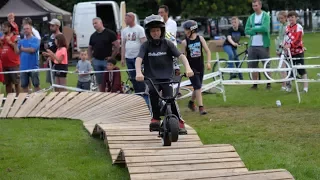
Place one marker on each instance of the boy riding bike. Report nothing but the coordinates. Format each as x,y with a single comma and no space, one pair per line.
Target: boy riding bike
192,47
156,55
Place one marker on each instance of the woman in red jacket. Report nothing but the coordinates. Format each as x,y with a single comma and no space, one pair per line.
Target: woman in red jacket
112,79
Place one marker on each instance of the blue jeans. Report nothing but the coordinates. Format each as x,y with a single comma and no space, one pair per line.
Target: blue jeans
137,86
25,77
99,65
232,54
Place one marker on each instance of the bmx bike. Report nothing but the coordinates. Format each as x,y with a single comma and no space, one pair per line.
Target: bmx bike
169,128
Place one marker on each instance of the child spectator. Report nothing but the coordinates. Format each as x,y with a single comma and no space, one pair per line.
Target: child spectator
193,47
282,17
60,59
15,28
84,69
293,41
112,80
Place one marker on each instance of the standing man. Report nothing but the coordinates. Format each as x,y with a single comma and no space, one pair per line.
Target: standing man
55,30
258,28
171,32
10,58
101,48
29,49
132,38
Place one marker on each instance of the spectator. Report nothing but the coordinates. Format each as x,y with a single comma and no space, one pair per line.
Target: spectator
132,38
231,44
29,47
55,30
10,58
84,68
100,48
15,28
112,80
1,69
294,42
258,28
171,33
36,34
60,59
282,17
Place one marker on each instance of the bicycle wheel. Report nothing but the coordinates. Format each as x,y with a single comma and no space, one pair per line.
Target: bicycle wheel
173,124
223,64
277,75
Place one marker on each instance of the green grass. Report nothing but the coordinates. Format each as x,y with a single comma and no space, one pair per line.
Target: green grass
266,137
39,149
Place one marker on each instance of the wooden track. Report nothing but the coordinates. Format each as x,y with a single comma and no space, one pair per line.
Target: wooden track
123,122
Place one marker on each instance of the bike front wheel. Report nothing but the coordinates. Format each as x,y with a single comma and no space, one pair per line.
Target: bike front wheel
277,75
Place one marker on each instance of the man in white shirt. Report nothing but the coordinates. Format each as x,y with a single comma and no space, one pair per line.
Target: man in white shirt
171,31
132,37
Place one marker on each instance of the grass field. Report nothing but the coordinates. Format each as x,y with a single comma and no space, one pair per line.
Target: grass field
266,137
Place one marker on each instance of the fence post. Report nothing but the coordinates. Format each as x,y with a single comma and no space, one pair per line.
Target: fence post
221,79
294,75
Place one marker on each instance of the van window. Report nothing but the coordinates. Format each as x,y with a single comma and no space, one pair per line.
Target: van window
105,12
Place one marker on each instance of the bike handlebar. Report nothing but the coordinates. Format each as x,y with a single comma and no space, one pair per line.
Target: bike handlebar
178,81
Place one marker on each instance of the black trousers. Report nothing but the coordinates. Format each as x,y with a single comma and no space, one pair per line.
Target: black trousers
167,91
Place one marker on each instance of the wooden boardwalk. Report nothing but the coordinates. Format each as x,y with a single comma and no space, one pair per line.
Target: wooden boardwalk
123,122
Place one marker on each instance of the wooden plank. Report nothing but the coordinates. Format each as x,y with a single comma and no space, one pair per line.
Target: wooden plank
17,104
30,104
83,104
61,102
43,103
186,167
7,105
149,141
197,150
251,175
184,174
49,105
110,133
131,127
94,105
177,157
145,138
69,105
154,145
169,163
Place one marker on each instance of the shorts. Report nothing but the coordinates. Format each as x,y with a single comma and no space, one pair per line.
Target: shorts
256,53
300,60
99,65
197,80
84,85
61,67
25,76
12,78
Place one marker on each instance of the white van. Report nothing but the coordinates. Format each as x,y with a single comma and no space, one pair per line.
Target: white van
84,12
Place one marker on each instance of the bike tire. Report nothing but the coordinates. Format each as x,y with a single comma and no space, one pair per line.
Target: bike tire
173,124
277,75
166,140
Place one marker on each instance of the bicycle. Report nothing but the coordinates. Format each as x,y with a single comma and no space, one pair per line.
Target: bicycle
169,128
224,64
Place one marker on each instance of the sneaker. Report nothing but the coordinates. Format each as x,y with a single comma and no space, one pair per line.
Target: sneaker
289,87
254,87
192,106
268,87
154,125
182,128
202,111
305,90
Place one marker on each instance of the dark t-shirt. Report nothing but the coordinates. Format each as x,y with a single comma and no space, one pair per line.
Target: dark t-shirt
102,43
235,35
51,44
195,54
157,59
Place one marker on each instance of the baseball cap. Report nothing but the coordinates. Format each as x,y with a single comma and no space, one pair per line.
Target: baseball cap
55,22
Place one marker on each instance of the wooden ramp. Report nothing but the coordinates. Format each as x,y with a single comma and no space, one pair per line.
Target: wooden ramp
122,120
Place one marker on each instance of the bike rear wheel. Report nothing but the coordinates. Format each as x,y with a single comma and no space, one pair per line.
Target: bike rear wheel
223,64
277,75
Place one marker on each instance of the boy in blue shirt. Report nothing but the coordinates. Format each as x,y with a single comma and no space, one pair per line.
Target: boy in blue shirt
29,47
